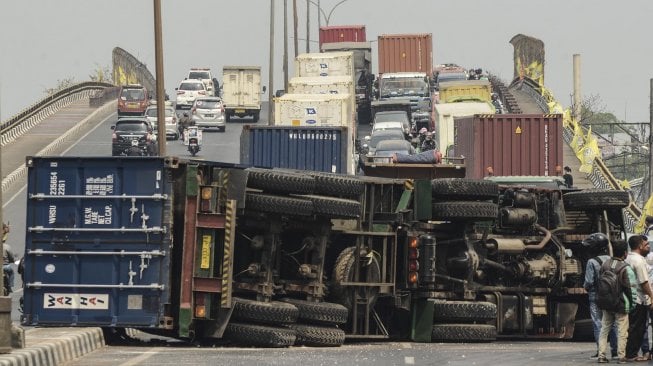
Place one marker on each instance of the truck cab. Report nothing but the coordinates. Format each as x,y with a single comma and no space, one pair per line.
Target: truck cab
413,87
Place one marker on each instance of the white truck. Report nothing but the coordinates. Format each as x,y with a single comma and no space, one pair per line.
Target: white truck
319,110
241,91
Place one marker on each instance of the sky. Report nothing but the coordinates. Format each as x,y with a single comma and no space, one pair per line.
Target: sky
44,41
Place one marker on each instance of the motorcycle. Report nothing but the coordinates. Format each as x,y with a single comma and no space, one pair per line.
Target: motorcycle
193,139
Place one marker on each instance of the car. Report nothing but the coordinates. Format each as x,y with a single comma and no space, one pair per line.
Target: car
133,136
393,116
188,91
380,135
132,100
204,74
208,112
386,149
170,120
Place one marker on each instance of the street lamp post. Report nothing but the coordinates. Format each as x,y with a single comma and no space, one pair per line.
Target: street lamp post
320,11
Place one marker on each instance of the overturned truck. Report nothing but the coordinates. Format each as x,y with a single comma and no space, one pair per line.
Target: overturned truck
204,250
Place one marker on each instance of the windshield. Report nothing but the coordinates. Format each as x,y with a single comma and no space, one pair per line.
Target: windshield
451,76
130,127
375,138
198,75
191,86
403,87
132,94
391,117
152,112
207,104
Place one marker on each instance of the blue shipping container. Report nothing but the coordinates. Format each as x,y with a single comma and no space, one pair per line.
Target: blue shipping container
97,250
321,149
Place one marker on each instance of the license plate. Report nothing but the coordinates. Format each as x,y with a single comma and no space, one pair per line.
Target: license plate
240,111
209,115
132,105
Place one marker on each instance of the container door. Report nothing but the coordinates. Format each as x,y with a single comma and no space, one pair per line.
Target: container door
98,242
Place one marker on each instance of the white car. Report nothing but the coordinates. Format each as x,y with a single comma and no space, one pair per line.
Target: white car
170,119
188,91
203,74
209,112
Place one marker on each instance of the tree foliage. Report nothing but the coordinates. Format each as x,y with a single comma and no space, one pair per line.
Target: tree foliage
61,84
101,74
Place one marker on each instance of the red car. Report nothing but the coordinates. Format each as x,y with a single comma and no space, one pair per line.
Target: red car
133,100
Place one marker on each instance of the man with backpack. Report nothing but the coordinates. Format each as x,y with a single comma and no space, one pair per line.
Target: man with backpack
616,297
639,248
596,245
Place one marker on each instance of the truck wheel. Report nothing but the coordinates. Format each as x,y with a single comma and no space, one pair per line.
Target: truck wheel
463,333
260,335
328,184
319,312
334,207
318,336
596,199
282,182
278,204
273,312
457,188
464,311
255,117
344,272
464,211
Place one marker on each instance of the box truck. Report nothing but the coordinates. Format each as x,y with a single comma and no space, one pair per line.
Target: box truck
241,91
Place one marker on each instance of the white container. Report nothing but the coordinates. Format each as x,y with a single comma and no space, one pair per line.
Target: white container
321,110
446,112
325,64
325,85
241,91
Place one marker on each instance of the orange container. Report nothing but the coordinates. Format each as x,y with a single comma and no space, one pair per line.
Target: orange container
406,53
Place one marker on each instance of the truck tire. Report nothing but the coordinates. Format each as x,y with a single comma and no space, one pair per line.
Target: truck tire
343,271
463,333
277,181
318,336
334,207
260,335
273,312
278,204
256,117
319,312
596,199
464,211
464,311
457,188
335,185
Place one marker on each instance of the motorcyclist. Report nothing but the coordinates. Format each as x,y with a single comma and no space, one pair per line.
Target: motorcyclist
496,102
422,135
184,122
429,143
8,258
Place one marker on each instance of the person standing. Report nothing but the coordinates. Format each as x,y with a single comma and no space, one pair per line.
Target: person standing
618,316
569,179
639,248
597,247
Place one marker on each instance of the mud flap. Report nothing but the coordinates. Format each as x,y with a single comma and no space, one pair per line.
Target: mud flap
421,324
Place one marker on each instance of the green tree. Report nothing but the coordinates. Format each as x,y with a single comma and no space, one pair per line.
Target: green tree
61,84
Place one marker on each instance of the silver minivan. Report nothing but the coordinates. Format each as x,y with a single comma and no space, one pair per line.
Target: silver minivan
208,112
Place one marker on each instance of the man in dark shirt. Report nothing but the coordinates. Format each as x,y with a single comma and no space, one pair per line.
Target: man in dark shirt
569,179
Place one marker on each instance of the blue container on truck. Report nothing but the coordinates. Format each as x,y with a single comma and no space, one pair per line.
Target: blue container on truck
322,149
98,242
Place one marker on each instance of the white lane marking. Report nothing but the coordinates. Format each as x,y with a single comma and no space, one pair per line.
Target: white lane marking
409,360
406,345
62,154
142,357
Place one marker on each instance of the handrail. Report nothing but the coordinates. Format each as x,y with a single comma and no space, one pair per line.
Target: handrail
35,108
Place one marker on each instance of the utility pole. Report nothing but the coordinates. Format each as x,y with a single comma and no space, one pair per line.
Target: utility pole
5,300
271,71
160,91
577,96
294,12
285,45
650,141
319,17
308,28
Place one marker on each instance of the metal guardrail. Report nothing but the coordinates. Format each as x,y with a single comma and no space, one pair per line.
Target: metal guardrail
20,123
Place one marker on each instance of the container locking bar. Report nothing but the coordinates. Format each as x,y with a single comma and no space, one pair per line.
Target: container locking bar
155,229
153,286
122,253
41,196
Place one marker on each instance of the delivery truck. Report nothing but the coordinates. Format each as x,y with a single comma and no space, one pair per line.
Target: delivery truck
241,92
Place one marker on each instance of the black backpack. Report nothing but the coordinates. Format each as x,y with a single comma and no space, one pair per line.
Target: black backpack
610,290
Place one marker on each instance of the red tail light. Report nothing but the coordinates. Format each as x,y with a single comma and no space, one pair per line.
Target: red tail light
201,92
193,110
222,108
114,137
179,92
